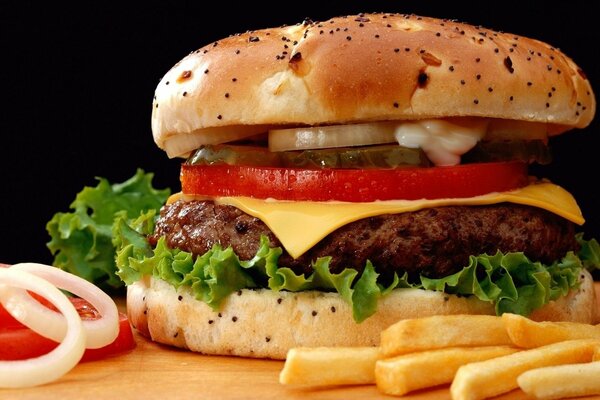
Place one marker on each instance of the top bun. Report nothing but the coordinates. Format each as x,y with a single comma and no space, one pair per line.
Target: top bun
370,67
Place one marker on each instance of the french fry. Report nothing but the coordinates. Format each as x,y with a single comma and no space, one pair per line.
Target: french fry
499,375
562,381
403,374
326,366
527,333
437,332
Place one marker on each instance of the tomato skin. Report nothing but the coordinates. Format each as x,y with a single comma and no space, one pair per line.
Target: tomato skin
353,185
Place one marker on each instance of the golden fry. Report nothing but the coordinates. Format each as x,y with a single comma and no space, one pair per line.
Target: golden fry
403,374
562,381
325,366
527,333
489,378
437,332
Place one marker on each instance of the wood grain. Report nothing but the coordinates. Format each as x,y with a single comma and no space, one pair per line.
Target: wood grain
153,371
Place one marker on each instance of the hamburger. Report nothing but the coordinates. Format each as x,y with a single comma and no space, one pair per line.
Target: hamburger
346,174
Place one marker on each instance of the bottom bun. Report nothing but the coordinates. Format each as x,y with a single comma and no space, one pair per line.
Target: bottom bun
266,324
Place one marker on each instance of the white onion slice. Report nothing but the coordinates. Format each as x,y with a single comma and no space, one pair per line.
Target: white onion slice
53,365
182,144
320,137
52,325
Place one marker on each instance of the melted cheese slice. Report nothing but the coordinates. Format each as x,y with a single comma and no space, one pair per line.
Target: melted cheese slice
300,225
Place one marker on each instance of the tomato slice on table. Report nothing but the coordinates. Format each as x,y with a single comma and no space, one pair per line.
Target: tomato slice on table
353,185
17,342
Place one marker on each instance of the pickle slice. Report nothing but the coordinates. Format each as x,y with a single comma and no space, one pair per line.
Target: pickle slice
509,150
388,156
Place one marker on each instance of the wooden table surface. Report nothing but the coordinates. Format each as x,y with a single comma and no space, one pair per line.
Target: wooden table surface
152,371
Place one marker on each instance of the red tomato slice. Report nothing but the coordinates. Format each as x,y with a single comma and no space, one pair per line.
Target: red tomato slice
352,185
17,342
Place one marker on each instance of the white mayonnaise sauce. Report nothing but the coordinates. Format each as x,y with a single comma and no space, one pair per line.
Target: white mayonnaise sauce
444,141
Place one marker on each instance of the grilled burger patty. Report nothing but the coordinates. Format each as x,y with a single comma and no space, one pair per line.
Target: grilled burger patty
434,242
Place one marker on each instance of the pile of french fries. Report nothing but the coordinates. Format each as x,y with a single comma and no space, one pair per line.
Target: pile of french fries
481,356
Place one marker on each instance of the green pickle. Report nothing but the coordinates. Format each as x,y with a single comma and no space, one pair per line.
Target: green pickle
509,150
365,157
386,156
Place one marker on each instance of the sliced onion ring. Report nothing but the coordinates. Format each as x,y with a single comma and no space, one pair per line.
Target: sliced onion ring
52,325
53,365
182,144
320,137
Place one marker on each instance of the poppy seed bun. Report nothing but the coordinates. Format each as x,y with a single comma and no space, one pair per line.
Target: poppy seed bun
266,324
370,68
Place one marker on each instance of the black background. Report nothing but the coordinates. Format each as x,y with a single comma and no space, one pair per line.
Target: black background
78,87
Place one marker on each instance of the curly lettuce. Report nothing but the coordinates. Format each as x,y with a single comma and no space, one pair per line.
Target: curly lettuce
81,240
510,281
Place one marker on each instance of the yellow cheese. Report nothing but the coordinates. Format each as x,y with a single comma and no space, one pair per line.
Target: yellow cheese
300,225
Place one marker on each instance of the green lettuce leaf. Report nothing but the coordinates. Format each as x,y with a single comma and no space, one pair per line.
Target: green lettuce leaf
81,240
510,281
589,252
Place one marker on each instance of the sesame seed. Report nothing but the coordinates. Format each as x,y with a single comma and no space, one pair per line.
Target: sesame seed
496,50
279,300
348,38
396,50
511,98
477,59
234,318
179,298
462,82
451,68
184,94
233,79
332,309
210,321
226,95
267,339
476,101
529,83
547,105
478,76
396,105
490,89
407,49
219,116
314,313
206,71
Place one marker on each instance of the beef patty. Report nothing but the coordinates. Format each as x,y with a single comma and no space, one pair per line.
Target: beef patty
435,242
